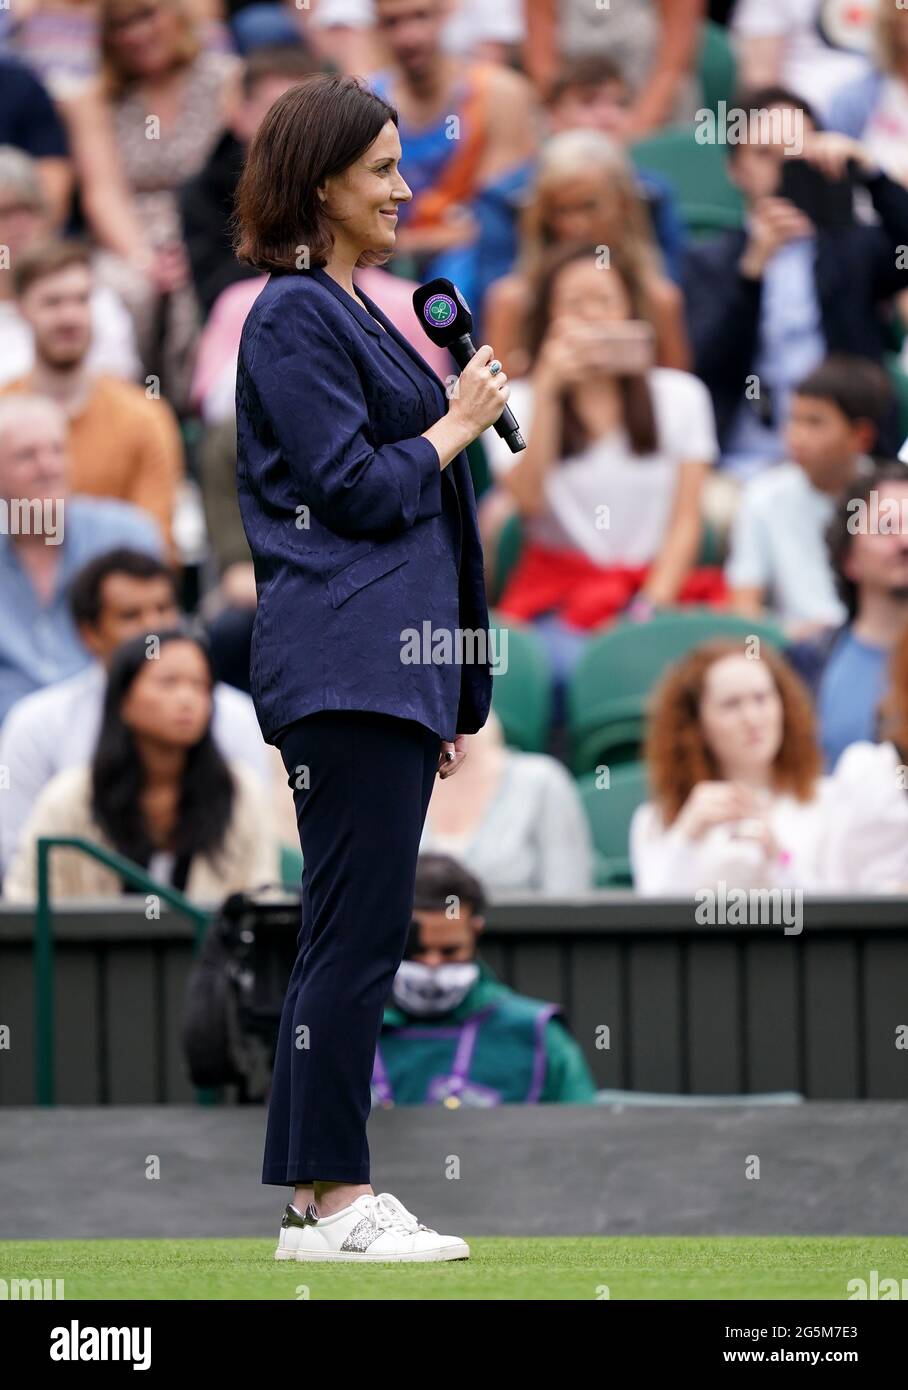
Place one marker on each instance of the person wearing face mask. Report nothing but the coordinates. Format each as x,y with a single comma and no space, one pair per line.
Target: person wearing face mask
452,1032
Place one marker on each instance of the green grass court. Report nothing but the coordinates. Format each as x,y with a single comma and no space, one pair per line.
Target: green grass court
635,1267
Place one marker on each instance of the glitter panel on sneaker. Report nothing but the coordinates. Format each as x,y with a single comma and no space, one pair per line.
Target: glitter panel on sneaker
362,1235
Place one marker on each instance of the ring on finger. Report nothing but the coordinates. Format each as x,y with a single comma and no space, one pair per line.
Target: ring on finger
494,366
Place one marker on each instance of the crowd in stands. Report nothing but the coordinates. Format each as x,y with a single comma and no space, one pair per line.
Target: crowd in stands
707,343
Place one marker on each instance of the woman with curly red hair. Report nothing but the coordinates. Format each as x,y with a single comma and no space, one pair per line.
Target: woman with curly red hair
735,771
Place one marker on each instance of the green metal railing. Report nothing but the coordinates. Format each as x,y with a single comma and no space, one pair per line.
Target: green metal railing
44,945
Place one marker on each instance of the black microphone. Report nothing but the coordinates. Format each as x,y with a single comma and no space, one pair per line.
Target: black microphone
446,319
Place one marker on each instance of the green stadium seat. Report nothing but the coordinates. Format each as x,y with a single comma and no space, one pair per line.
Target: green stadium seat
522,693
609,689
479,467
609,810
717,66
899,380
291,868
510,543
708,200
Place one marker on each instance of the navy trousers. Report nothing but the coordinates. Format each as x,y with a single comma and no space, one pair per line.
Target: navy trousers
360,819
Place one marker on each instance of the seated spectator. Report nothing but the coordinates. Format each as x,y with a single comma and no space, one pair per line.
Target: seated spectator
734,768
452,1033
48,536
618,451
767,303
122,443
24,222
590,93
873,108
516,820
585,190
779,561
809,46
59,41
655,42
157,789
29,122
148,125
206,200
846,666
871,784
466,127
113,597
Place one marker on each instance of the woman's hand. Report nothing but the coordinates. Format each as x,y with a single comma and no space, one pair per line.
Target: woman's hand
716,803
575,350
479,397
451,755
170,270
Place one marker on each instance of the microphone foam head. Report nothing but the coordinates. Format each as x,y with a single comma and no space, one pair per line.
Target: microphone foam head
442,311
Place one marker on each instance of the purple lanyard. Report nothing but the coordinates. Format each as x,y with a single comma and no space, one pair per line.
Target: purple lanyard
463,1056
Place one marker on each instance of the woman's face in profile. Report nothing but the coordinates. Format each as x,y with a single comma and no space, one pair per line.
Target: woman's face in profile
741,715
170,698
365,197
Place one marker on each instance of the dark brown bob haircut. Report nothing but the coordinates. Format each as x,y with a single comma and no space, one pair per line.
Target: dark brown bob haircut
312,132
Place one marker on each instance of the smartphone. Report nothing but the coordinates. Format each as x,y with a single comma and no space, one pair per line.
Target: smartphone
625,348
827,202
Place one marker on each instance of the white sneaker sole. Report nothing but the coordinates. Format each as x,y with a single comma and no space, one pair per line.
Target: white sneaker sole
451,1252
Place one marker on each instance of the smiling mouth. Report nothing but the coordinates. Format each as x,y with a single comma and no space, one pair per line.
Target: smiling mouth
384,213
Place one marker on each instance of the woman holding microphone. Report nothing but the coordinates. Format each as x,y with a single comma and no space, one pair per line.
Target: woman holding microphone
359,510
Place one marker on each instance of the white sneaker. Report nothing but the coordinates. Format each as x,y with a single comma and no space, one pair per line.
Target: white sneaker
371,1229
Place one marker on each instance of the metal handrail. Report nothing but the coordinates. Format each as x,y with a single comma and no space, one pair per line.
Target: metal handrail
44,942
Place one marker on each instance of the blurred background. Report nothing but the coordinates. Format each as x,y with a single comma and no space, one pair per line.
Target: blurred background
693,219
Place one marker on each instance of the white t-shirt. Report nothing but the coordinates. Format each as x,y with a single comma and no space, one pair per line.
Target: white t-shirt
607,502
778,544
828,43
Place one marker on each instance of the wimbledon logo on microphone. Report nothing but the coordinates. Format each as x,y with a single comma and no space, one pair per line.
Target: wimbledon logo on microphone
440,310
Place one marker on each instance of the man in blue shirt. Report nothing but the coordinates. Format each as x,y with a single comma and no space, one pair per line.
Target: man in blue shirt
847,667
46,535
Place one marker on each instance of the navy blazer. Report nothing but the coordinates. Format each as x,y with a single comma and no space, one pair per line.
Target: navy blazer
366,553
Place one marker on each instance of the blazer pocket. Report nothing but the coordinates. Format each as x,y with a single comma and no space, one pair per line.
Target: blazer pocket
363,571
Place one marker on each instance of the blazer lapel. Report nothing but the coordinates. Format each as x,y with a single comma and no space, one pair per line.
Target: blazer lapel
406,346
407,358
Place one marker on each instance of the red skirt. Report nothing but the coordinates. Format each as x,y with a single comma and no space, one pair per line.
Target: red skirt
585,595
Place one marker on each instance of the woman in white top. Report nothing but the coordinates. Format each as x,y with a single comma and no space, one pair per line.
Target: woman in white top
871,786
516,820
157,790
610,484
734,767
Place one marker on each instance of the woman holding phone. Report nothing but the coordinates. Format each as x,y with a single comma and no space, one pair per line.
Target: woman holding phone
610,484
357,502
